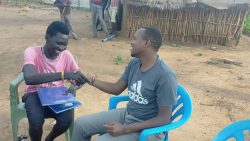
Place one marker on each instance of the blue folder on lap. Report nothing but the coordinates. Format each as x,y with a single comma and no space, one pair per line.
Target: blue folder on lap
64,107
56,99
54,95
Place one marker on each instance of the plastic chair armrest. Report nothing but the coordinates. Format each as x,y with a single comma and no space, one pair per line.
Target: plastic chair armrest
114,100
14,97
165,128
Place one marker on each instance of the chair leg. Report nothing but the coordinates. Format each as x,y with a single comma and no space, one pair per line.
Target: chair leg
16,116
69,132
14,124
67,135
166,137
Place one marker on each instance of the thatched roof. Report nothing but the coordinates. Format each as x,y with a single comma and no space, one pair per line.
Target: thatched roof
175,4
162,4
224,4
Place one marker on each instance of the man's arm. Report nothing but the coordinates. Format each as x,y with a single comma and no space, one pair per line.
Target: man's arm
111,88
163,118
31,77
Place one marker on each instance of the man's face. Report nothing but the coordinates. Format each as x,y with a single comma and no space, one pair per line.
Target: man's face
58,43
138,44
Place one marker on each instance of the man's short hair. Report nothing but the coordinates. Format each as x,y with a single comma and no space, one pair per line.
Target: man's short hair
154,36
56,27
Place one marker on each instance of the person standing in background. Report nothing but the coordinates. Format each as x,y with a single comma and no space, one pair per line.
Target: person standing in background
104,4
113,6
65,14
96,10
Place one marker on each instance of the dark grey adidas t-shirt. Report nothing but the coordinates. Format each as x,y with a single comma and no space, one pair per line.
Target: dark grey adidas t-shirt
148,90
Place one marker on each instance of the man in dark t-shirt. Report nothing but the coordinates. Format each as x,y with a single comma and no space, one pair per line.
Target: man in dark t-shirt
152,89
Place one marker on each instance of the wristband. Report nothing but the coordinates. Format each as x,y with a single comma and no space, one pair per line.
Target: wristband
62,75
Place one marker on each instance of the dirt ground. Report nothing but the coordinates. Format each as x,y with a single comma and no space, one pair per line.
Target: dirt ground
216,77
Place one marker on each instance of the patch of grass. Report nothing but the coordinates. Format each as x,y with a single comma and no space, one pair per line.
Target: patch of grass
198,54
175,45
246,28
119,60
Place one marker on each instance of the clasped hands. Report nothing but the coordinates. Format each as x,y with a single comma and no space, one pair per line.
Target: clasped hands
79,78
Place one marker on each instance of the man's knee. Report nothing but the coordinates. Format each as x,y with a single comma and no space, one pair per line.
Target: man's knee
64,124
35,119
81,122
82,126
125,137
65,120
107,137
104,137
36,127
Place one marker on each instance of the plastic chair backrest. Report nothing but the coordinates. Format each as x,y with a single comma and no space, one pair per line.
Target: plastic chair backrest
183,108
235,130
181,112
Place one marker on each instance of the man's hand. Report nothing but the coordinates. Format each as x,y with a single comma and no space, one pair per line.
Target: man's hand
115,128
72,90
85,77
77,77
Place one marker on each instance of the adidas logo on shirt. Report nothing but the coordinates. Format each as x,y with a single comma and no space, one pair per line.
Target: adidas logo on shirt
135,93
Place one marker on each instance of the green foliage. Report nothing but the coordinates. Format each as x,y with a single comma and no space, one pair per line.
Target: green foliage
119,60
246,28
175,45
199,54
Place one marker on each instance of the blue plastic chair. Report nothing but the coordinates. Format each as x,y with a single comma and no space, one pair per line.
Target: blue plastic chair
235,130
181,113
